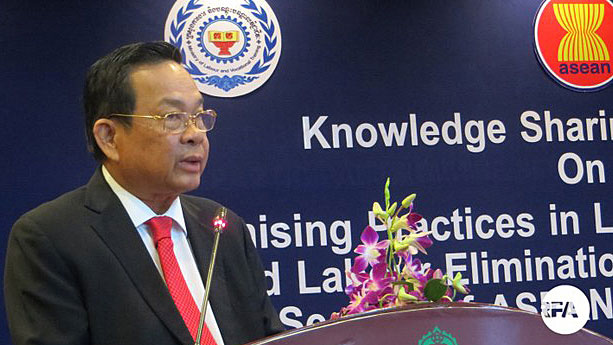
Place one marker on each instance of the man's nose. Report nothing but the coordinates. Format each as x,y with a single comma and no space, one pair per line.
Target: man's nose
192,134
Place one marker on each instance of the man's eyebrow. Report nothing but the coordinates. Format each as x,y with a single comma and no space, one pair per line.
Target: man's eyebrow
178,103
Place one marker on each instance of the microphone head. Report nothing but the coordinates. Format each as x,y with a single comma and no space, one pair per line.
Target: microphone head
219,222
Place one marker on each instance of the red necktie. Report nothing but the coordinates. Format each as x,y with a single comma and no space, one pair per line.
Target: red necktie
160,228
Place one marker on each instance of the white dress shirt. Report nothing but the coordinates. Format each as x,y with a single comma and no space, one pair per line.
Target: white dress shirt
139,213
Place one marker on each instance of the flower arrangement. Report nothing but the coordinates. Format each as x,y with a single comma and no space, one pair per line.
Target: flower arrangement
385,273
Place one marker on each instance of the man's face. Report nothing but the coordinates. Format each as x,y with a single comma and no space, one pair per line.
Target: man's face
153,163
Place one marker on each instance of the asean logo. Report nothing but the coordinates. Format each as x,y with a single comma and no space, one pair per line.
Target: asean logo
573,41
230,47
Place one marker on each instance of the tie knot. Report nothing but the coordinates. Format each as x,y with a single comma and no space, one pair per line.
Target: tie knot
160,228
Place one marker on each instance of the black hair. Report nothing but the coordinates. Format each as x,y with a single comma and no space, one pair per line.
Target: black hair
108,88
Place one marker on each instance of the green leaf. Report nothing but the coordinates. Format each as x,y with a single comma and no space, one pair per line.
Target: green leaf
387,194
435,289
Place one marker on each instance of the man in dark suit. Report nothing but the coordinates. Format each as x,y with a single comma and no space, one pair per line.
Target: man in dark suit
90,266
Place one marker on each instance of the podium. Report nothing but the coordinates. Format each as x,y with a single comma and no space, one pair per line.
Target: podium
456,323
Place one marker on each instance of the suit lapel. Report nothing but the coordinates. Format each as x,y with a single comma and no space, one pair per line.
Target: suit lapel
112,223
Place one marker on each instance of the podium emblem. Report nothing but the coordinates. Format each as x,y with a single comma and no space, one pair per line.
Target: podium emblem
437,337
230,47
573,40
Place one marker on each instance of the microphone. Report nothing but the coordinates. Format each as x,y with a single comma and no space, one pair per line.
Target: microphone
219,223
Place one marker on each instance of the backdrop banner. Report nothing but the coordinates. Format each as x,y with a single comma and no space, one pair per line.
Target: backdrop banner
497,114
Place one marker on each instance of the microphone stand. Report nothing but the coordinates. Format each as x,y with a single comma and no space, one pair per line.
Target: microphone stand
219,224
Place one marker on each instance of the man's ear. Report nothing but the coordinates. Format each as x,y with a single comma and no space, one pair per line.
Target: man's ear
105,133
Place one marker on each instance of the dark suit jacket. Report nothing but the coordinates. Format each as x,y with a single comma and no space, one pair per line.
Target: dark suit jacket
77,272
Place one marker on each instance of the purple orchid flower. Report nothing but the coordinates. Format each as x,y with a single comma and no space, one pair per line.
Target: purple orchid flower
434,274
362,301
385,273
412,219
357,278
379,280
425,241
412,267
371,252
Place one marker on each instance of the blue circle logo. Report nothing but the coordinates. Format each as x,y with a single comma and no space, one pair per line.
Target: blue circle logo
230,47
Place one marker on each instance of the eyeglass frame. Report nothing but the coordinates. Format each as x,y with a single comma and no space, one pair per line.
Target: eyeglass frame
191,118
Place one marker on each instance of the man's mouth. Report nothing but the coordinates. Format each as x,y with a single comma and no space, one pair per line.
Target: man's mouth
192,163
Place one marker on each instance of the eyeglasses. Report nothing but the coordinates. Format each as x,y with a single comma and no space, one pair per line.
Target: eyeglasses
177,122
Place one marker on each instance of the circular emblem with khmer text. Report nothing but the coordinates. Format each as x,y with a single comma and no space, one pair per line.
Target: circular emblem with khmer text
230,47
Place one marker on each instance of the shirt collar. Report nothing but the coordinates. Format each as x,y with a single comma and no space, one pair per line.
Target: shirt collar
138,211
